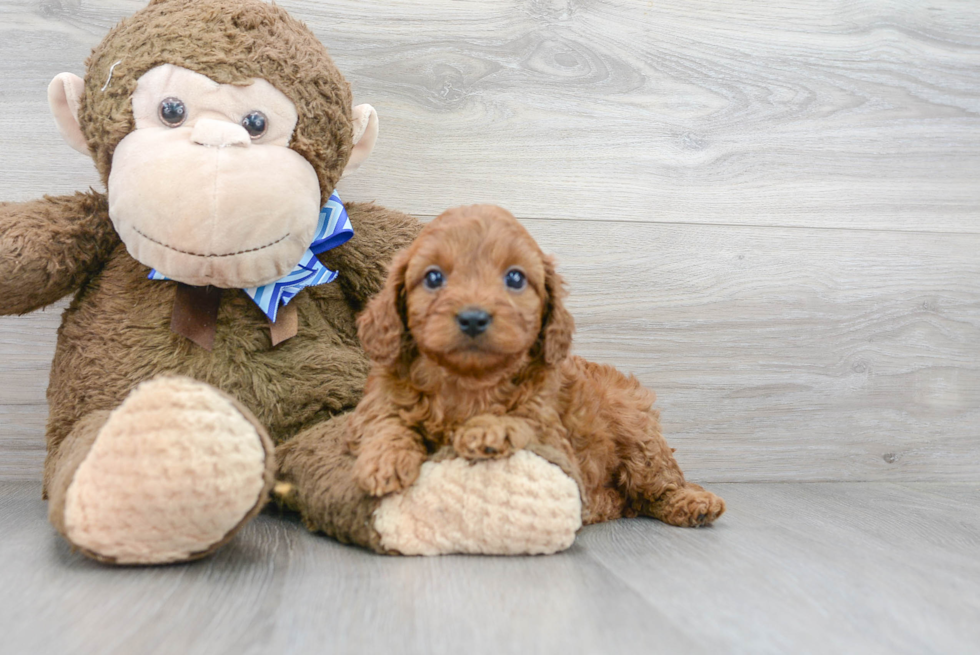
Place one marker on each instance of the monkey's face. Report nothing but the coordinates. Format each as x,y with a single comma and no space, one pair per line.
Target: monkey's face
206,189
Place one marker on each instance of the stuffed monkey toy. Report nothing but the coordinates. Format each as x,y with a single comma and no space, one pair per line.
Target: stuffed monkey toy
210,346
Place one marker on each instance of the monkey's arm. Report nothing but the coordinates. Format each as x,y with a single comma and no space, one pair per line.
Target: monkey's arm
49,247
363,261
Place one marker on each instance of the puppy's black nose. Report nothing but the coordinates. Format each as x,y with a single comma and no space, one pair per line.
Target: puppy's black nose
473,322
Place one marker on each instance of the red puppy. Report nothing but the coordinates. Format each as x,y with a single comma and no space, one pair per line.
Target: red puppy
470,342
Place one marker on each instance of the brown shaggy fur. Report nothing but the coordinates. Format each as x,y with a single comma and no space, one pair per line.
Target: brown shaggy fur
489,394
116,333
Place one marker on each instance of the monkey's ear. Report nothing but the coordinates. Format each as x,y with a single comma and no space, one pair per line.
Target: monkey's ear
365,123
65,98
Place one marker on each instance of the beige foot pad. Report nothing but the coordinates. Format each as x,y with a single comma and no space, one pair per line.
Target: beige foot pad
519,505
174,471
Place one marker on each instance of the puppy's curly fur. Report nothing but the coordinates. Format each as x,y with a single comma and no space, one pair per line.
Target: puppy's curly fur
470,341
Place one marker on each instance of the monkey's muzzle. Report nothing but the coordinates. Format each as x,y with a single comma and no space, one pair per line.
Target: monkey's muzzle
205,206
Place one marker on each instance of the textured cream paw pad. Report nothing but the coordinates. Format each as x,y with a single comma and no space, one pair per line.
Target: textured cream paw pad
519,505
175,469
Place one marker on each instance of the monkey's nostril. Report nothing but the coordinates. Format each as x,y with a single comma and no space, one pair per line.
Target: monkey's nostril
473,322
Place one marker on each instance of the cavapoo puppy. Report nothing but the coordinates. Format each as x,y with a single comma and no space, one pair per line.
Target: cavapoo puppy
470,341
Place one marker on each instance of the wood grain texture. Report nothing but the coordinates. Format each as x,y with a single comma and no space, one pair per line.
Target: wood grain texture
802,568
794,556
845,114
777,354
804,113
825,328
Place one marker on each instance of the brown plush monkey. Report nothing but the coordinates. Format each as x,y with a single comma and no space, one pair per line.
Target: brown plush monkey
220,129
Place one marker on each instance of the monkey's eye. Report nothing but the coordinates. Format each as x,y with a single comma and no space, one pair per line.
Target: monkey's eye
433,279
515,279
255,124
173,112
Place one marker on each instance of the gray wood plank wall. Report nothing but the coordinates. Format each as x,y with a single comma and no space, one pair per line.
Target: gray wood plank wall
770,212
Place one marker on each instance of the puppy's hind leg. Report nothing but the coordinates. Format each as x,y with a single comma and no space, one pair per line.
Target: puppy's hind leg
617,438
690,506
654,484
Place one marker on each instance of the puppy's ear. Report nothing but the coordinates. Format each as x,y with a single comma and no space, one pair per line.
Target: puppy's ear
381,325
558,325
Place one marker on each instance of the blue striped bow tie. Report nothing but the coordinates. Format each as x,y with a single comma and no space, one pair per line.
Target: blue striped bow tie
332,230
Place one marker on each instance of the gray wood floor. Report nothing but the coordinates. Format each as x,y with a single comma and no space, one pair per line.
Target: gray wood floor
791,568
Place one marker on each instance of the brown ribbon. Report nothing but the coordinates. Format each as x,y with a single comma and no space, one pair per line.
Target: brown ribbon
195,316
286,325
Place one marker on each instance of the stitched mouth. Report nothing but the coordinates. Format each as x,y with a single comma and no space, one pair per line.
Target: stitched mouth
206,255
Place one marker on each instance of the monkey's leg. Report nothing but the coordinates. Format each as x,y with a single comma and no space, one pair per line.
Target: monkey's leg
170,475
316,479
526,503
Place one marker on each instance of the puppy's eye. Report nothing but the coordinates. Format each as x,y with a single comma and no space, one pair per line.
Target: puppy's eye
515,279
433,279
172,112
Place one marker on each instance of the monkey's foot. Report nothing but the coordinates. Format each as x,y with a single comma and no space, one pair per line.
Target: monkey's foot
174,472
519,505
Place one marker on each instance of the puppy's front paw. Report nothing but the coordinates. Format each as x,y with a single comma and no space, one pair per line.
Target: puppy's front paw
491,437
384,469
